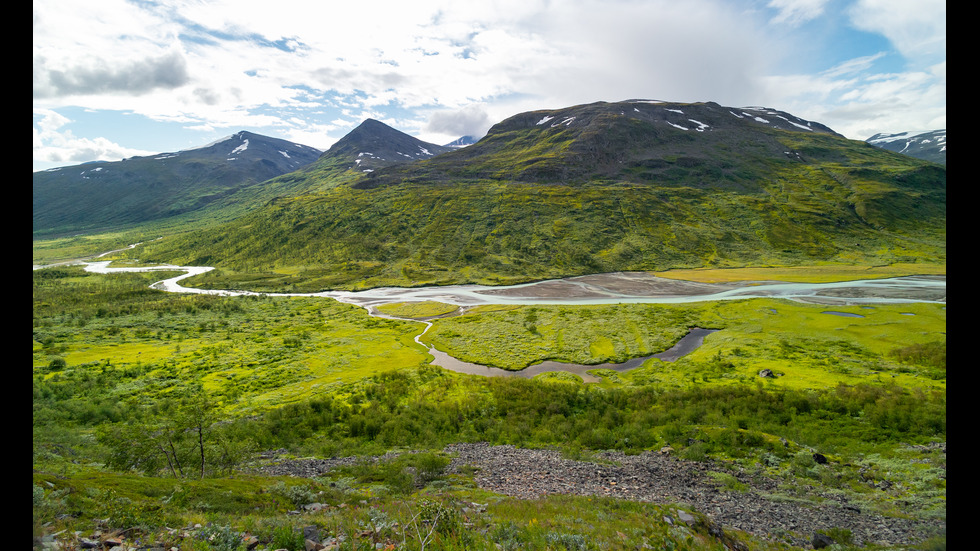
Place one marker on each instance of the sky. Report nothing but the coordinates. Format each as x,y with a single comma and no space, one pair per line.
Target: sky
120,78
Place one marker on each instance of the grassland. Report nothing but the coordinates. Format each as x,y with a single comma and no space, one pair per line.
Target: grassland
807,347
315,377
415,310
252,352
487,232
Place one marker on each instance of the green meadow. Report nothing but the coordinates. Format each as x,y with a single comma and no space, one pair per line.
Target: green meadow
150,409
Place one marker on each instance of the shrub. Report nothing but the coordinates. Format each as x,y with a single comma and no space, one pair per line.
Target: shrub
221,538
298,495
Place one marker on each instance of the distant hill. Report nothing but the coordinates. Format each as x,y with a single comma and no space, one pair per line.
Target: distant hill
462,141
930,145
99,196
634,185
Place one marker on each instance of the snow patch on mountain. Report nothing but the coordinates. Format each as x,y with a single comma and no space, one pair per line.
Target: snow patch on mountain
898,136
798,125
240,148
701,125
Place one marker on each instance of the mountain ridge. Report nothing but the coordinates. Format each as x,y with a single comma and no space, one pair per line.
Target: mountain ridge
107,195
635,140
586,189
929,145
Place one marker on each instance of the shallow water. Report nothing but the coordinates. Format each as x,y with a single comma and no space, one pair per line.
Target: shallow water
842,314
616,288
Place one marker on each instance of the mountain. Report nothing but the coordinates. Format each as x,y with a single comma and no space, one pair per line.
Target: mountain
462,141
634,185
371,146
105,195
374,144
930,145
637,141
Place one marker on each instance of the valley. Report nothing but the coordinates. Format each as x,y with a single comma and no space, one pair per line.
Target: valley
320,303
217,345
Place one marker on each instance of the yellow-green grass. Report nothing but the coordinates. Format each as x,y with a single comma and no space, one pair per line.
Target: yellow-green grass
252,353
806,347
803,345
415,310
256,353
333,366
47,251
149,498
804,274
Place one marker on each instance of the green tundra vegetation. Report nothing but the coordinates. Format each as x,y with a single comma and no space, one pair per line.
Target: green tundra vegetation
150,407
152,410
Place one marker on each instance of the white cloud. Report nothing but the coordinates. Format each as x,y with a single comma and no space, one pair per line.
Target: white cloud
241,55
54,145
859,106
294,65
853,66
795,12
134,77
917,28
446,126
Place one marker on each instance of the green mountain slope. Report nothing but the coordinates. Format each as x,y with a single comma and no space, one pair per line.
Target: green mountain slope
603,187
104,196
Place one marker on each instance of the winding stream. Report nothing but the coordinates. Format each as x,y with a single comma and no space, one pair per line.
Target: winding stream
613,288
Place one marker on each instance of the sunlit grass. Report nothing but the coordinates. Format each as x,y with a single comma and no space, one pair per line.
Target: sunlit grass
805,346
804,274
424,309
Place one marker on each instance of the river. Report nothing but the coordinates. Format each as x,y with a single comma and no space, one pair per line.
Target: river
612,288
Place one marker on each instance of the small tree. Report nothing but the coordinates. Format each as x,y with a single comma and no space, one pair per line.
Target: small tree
183,435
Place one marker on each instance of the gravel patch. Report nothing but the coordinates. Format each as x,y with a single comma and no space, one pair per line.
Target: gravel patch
658,478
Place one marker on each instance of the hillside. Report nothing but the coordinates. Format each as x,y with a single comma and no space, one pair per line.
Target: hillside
634,185
111,195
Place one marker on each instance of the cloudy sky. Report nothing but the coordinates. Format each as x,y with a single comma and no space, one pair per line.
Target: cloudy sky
117,78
